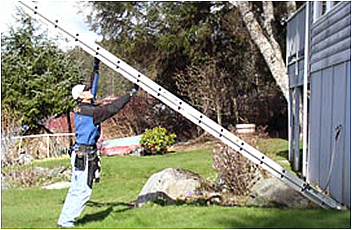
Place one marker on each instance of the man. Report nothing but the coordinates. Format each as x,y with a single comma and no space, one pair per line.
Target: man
84,158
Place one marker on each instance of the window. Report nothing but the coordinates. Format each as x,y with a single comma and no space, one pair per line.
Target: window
322,7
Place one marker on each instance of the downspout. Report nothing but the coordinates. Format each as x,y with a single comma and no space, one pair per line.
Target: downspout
305,92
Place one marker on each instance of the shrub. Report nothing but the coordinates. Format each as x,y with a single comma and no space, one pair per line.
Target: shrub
236,173
156,141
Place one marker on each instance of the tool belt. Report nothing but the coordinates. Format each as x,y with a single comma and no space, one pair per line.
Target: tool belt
89,154
82,152
85,148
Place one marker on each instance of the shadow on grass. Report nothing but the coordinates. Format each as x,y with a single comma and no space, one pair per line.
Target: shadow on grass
246,217
283,154
99,216
162,199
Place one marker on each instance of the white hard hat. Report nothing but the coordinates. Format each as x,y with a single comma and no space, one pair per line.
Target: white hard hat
77,90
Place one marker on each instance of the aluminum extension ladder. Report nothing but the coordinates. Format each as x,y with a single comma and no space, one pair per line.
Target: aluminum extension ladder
186,110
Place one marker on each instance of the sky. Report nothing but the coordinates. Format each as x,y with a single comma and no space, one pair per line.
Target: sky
66,11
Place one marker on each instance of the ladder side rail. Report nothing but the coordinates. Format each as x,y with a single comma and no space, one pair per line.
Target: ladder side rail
195,116
248,151
265,162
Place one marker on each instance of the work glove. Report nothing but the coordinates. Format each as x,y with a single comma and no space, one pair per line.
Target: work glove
135,89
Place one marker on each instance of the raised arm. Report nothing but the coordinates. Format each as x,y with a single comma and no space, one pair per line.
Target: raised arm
102,113
95,79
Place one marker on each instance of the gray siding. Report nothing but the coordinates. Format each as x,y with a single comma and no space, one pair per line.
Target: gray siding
315,122
346,194
330,107
295,47
330,68
331,38
296,73
295,33
330,101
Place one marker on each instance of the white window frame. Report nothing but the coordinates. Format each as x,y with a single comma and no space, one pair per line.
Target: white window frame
318,11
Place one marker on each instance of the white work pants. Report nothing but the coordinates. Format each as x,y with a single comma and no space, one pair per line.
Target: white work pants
77,196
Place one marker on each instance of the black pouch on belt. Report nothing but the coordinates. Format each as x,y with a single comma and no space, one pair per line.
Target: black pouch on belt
94,169
81,159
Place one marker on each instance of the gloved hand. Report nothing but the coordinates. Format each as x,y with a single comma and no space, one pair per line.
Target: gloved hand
135,89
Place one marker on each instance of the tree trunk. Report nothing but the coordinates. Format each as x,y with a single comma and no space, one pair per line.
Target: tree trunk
268,47
269,19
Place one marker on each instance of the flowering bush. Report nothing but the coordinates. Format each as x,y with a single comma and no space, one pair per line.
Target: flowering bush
156,141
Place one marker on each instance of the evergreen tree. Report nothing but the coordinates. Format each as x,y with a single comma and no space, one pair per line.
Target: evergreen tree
36,76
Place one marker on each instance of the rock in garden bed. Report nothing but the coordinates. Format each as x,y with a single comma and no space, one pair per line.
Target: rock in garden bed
274,193
174,184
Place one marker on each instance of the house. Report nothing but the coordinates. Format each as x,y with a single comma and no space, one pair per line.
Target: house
319,68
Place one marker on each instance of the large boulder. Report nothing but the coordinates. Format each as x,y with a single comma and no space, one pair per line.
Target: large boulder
171,184
274,193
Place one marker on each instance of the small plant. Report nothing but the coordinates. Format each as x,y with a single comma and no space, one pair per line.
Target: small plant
236,173
156,140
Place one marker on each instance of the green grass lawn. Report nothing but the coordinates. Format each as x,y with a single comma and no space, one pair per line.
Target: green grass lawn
122,180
